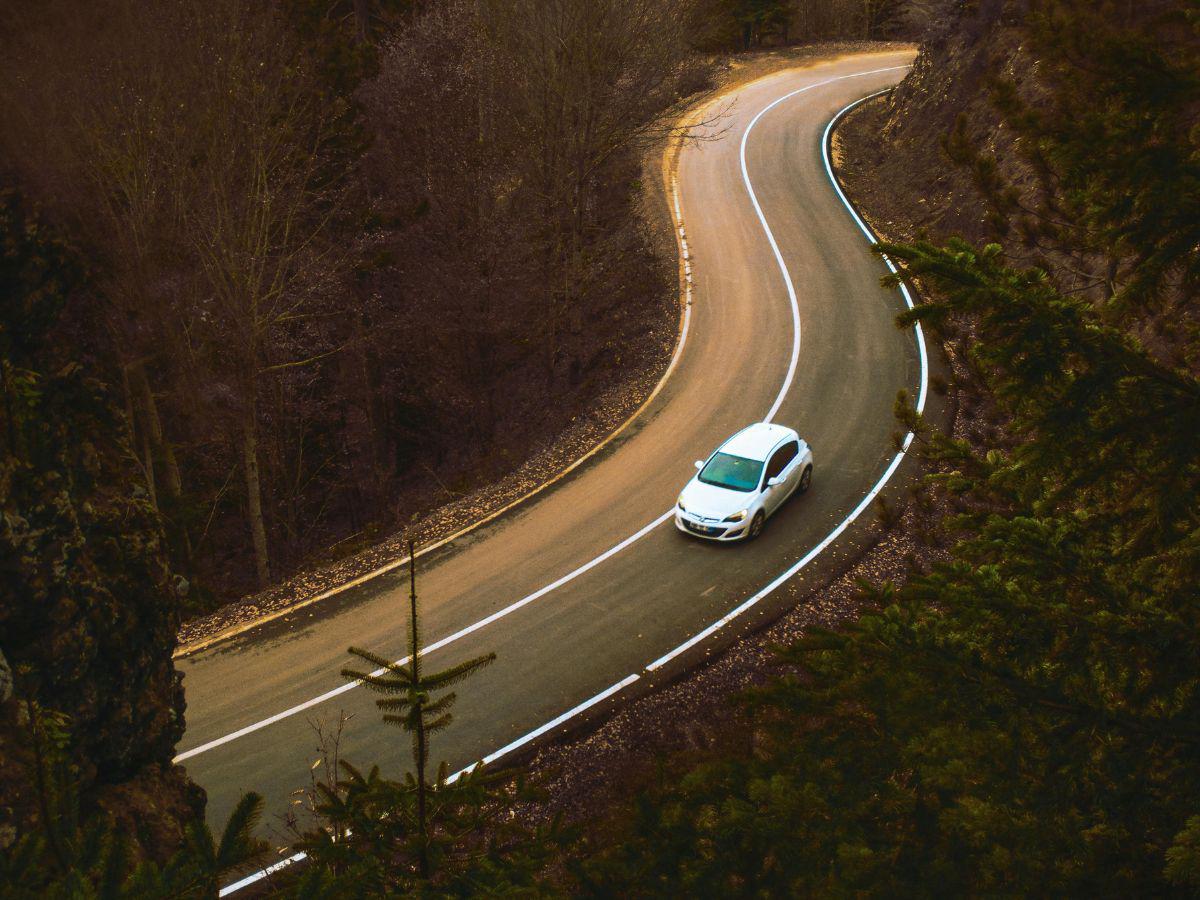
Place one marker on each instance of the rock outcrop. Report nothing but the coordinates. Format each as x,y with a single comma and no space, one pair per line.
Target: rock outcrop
88,616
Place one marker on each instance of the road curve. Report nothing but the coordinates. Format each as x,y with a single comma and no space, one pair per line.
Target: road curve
578,590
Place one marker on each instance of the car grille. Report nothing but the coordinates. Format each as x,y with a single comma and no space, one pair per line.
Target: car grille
702,529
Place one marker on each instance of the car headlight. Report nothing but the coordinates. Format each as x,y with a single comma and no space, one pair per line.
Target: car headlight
737,516
679,503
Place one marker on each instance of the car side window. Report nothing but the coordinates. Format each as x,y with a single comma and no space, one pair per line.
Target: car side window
781,458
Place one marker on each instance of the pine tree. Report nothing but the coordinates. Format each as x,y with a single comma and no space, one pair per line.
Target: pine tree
1117,138
379,837
410,705
1024,716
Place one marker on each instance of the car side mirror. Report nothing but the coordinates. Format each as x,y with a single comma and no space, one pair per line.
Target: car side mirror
699,464
774,482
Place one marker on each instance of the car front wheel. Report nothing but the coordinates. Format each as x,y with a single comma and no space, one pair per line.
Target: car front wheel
756,525
805,480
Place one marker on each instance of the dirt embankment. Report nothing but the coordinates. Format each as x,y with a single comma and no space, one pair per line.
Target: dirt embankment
937,159
892,152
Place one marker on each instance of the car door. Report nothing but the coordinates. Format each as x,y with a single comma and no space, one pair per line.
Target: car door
781,463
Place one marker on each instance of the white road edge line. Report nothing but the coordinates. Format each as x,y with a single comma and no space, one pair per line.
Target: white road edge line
646,529
745,605
787,276
436,645
490,758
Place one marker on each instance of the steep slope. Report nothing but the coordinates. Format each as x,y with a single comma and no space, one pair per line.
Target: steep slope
1019,717
1063,129
895,154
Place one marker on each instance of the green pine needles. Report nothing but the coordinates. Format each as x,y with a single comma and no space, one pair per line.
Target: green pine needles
410,705
432,836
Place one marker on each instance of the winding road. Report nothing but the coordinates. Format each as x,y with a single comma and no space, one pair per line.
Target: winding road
587,593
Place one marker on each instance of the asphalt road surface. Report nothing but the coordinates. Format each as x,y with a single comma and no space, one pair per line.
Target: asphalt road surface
571,642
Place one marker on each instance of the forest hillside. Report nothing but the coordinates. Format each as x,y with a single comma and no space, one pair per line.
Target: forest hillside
277,277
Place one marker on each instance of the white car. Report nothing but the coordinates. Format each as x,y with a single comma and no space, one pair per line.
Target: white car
745,480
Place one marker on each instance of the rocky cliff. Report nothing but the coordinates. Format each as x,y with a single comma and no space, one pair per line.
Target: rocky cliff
88,610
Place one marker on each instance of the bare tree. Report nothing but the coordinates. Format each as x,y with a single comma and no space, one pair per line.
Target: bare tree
187,144
92,106
190,141
596,78
257,225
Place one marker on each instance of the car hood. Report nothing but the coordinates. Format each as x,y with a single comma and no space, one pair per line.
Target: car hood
714,502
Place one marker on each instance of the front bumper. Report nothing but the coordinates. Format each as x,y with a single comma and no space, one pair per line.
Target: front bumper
711,531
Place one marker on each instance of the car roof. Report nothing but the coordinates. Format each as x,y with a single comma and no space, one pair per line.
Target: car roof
757,440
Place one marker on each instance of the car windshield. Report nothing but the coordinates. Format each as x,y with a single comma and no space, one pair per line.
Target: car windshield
733,472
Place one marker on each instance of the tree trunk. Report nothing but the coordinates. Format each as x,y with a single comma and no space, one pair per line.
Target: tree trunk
156,449
127,390
148,466
421,744
254,511
9,415
362,20
370,404
422,824
154,430
574,267
1110,278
